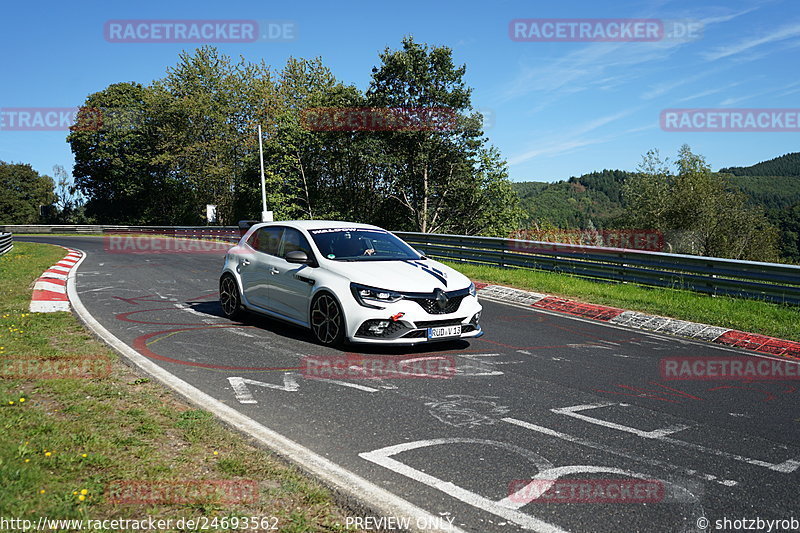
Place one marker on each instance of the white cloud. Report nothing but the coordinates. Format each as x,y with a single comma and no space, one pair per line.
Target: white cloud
745,45
743,98
569,140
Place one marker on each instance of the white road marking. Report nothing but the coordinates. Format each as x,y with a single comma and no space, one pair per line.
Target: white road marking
351,385
99,289
243,394
462,370
460,410
536,488
788,466
608,449
237,331
595,346
383,457
654,434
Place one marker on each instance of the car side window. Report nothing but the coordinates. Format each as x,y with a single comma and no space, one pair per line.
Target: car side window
252,240
268,240
293,241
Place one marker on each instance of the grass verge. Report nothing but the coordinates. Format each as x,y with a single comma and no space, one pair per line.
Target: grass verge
65,442
752,316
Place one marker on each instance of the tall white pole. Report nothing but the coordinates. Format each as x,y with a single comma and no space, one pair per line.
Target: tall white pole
266,216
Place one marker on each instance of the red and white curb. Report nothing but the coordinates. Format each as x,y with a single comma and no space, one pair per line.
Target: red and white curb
634,319
50,290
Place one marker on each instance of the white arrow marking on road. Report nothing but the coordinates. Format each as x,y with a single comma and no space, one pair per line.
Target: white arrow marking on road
243,394
655,434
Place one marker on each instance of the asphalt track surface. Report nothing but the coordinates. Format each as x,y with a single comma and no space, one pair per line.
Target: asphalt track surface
540,394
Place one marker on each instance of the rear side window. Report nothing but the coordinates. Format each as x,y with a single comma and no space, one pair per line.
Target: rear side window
252,240
266,239
293,241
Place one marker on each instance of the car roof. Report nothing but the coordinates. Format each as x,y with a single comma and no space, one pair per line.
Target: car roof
316,224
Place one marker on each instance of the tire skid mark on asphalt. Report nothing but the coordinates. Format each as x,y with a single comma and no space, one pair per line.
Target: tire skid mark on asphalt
141,345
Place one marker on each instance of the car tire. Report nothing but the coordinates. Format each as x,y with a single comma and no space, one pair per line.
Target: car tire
327,320
229,298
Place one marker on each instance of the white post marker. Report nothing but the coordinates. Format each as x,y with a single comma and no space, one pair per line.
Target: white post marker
266,216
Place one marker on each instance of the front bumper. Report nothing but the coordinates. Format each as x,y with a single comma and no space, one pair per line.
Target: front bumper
407,322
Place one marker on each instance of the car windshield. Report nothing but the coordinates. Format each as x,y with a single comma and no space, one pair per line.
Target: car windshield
361,244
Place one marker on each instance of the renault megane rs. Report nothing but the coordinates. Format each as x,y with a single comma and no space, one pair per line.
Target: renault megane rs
347,282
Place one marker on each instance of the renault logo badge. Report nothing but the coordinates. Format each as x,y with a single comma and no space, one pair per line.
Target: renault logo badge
441,298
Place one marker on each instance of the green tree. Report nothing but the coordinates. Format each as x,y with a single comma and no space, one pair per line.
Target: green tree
323,174
195,143
435,176
69,203
24,191
116,166
700,212
206,111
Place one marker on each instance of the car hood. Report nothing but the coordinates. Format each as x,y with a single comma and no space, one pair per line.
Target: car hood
403,276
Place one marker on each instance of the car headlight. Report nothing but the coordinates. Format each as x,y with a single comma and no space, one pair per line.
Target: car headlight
472,290
365,295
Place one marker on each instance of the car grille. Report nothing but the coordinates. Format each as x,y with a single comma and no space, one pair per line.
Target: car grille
431,306
438,323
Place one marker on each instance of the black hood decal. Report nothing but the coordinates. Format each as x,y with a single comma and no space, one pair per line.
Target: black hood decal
436,273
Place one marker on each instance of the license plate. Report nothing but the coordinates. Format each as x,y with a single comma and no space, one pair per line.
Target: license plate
444,331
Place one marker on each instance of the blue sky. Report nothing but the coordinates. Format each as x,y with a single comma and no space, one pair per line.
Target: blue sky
558,109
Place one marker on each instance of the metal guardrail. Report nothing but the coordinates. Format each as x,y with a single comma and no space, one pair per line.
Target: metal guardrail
226,233
6,242
746,279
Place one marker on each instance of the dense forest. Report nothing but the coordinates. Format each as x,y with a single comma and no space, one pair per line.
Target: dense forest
409,153
785,165
596,200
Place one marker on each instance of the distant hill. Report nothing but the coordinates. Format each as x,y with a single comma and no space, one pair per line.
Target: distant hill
592,198
595,199
785,165
772,192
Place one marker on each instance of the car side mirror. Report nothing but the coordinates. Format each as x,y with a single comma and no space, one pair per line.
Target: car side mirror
297,256
421,253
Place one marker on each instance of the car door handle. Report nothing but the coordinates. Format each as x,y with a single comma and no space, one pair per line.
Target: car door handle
274,270
245,262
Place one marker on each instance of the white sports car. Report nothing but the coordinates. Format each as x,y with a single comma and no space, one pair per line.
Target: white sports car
347,281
